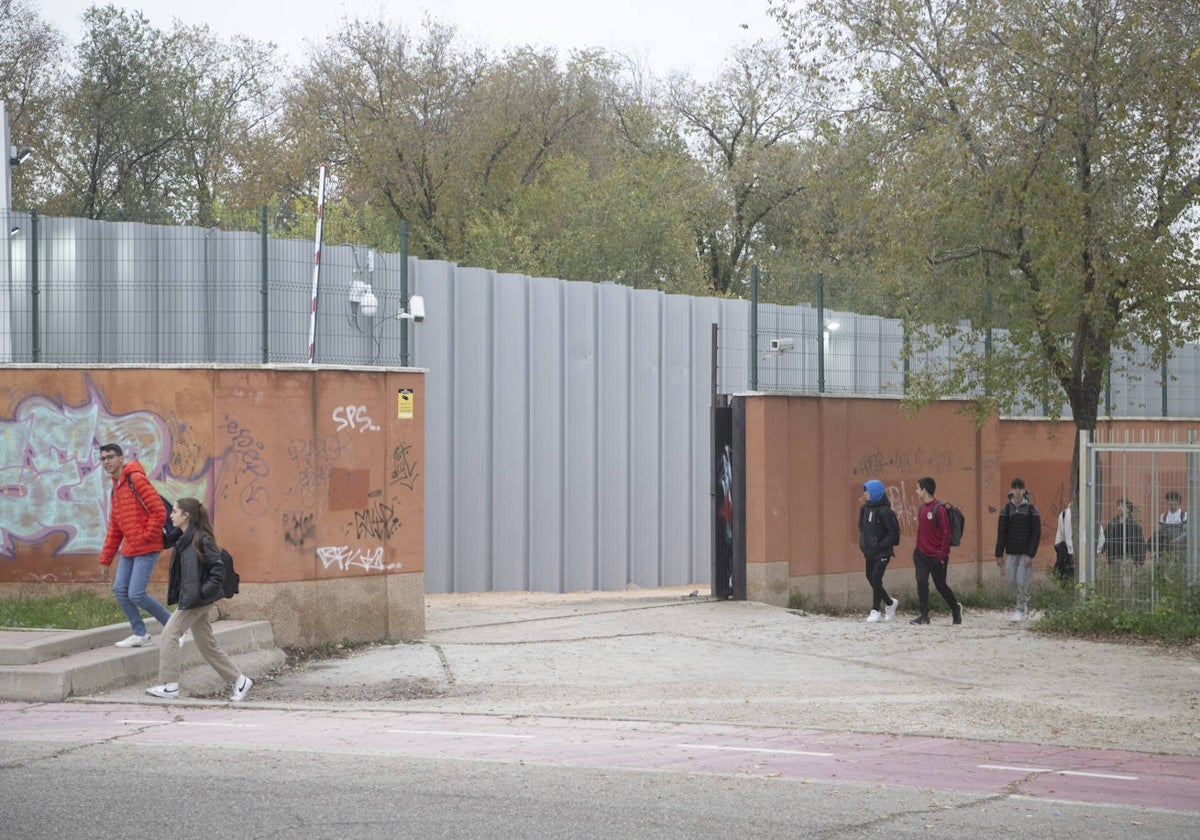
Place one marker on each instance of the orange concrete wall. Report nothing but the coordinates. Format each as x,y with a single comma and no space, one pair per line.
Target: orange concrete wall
807,458
311,475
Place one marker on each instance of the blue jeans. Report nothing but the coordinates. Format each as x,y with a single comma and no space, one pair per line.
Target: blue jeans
129,586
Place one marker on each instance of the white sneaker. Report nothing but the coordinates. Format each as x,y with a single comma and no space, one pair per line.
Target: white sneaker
167,691
1016,616
873,617
889,612
241,688
134,641
185,638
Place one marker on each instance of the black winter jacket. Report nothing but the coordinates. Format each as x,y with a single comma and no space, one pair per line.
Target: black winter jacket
1019,529
878,529
196,576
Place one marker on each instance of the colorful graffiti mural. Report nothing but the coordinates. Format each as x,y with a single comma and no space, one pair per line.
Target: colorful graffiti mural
50,477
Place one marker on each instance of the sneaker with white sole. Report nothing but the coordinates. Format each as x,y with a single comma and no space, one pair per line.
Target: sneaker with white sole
134,641
167,691
1016,616
873,617
241,688
889,612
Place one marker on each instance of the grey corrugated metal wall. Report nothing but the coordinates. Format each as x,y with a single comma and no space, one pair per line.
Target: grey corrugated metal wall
567,423
576,453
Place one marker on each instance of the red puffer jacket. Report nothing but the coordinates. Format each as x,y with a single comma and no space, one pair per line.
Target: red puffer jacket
132,528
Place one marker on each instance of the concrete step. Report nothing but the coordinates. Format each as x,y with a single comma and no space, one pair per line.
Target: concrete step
95,669
26,647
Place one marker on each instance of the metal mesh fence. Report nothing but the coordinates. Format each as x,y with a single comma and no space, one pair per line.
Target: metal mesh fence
1143,499
81,291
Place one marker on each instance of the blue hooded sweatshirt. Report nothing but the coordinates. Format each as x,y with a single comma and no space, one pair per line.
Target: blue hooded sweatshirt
878,529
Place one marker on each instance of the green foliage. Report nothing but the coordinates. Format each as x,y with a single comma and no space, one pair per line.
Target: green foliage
1039,160
80,609
1090,614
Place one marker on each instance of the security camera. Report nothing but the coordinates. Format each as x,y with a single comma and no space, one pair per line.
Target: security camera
369,304
416,308
781,344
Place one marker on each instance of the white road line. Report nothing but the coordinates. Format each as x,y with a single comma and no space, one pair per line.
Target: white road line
227,725
751,749
1059,772
1096,775
188,723
453,734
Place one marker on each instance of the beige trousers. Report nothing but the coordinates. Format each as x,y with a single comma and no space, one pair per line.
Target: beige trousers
198,621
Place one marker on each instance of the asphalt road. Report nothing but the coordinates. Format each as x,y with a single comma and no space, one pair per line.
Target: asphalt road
110,770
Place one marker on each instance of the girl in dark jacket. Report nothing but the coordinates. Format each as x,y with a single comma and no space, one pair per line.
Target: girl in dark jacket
195,584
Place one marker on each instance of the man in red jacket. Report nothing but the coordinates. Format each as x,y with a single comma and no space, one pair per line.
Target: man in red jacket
135,522
932,554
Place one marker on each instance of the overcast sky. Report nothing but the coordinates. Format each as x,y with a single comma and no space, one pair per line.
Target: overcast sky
695,36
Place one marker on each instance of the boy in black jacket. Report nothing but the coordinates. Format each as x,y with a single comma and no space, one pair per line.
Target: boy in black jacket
878,535
1018,532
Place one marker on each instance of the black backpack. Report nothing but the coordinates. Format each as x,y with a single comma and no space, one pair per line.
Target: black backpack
957,521
170,534
230,583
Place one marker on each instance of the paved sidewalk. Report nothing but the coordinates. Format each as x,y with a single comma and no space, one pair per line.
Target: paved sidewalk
664,656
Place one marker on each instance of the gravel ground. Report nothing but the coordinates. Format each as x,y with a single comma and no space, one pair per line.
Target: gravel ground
672,656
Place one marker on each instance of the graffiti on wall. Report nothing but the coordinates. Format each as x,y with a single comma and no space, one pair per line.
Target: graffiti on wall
299,529
54,494
378,521
247,468
404,468
51,483
353,417
346,557
314,460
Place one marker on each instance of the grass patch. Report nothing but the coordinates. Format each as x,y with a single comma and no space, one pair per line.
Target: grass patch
80,609
1088,614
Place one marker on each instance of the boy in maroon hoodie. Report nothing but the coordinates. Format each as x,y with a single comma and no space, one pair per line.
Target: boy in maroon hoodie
932,554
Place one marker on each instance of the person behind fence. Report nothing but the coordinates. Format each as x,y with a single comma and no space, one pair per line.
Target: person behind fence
1172,525
878,535
195,584
1064,544
1018,532
1126,541
931,557
135,521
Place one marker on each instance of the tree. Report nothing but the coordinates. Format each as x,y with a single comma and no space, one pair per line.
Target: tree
220,95
31,53
1045,151
389,113
117,123
747,129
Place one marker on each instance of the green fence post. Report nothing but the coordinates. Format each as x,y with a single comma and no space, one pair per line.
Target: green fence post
34,289
754,328
820,332
263,297
1164,383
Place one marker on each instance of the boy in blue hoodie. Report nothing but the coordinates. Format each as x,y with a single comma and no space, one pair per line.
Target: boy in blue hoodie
878,535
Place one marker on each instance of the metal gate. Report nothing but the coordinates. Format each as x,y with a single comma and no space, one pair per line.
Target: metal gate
1138,546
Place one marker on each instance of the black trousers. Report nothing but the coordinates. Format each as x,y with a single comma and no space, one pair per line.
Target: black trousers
875,569
926,566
